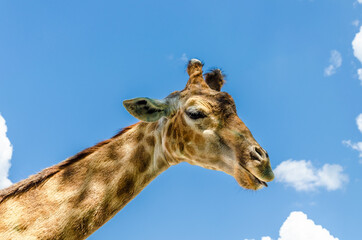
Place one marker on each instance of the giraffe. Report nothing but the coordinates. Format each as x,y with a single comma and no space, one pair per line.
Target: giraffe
198,125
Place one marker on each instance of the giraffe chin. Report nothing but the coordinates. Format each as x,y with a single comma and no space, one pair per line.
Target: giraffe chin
247,180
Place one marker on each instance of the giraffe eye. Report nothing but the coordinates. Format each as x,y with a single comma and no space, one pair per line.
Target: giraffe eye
195,114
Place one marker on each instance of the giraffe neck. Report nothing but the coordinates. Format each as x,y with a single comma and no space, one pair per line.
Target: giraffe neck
80,198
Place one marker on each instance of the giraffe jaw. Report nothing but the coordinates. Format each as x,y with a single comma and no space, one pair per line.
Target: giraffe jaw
248,180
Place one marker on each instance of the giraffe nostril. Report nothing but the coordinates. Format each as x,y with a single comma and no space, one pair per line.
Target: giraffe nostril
259,151
258,154
255,156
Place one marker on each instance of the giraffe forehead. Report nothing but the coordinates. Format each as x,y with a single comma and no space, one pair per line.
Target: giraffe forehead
219,101
199,101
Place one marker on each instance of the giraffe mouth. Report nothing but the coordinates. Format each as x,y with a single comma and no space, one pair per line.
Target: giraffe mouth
261,182
255,179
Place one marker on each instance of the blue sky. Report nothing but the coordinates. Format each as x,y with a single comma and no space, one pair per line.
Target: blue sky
66,66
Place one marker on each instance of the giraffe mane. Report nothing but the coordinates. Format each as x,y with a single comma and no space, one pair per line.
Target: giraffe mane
41,177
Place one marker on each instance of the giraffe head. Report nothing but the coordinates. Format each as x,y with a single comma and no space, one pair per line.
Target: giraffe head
199,125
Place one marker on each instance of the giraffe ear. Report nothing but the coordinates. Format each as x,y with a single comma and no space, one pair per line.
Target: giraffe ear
147,109
215,79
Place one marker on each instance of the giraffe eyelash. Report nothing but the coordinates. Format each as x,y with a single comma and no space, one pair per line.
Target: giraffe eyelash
195,114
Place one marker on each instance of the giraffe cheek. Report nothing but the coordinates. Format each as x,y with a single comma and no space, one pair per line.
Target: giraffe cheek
199,141
208,133
181,147
190,150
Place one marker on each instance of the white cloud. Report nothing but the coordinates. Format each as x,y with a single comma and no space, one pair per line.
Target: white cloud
170,57
358,145
355,146
299,227
6,151
357,50
359,73
357,45
356,22
359,1
303,176
329,71
262,238
184,57
335,61
359,121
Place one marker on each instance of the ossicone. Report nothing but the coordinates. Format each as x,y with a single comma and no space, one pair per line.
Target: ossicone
215,79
